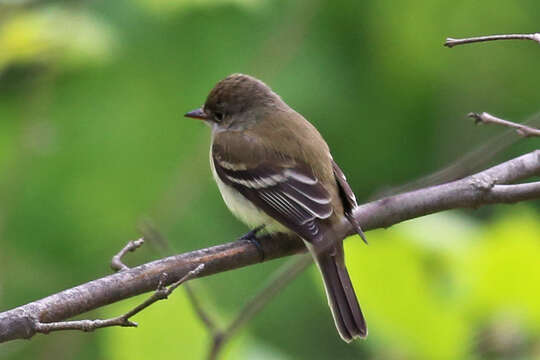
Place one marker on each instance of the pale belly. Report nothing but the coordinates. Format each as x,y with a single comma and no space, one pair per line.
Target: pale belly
244,209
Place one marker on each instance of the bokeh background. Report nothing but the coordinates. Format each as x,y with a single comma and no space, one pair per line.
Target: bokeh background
94,151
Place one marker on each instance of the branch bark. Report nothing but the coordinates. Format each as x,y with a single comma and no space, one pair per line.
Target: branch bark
487,187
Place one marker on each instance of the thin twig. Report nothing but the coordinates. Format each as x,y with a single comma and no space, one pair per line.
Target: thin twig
162,292
116,262
486,118
82,325
451,42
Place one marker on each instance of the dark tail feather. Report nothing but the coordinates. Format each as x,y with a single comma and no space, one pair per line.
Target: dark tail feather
342,300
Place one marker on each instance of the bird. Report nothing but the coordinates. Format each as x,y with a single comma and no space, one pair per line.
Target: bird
276,174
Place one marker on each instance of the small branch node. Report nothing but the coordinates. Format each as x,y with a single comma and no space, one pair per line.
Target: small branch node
116,262
450,42
476,117
482,183
162,281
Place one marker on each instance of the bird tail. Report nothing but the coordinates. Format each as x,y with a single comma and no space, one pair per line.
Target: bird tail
348,317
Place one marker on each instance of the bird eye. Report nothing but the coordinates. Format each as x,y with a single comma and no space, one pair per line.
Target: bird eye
218,116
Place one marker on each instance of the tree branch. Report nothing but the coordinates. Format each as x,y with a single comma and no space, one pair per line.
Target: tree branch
470,192
487,187
451,42
485,118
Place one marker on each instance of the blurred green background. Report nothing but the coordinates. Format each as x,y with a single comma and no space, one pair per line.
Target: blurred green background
94,150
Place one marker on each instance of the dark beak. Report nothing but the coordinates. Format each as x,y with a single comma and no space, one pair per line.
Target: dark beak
197,114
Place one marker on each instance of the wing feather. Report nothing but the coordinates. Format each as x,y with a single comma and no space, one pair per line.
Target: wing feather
288,192
348,199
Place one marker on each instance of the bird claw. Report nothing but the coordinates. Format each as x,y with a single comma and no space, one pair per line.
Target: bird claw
251,236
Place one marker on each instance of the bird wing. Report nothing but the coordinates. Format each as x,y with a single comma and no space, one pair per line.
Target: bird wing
285,189
348,199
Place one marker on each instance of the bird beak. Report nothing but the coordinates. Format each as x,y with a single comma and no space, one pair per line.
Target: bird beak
197,114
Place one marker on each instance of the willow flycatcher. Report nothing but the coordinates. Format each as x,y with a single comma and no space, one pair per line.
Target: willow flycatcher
274,170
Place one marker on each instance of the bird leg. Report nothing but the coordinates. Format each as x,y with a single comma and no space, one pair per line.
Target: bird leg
251,236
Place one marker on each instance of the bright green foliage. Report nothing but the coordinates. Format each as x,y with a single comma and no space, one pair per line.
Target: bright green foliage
500,272
426,302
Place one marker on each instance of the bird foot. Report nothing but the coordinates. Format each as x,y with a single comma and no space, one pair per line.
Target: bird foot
251,236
